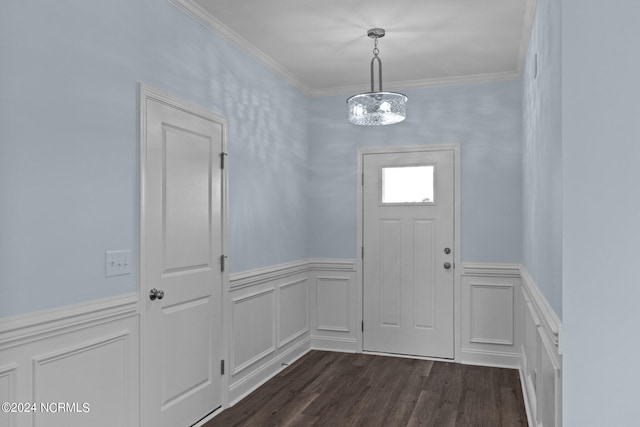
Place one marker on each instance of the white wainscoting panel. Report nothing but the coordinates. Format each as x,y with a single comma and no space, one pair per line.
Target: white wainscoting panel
7,392
253,317
530,345
490,315
332,303
293,311
278,313
334,313
541,368
548,396
85,357
92,377
268,325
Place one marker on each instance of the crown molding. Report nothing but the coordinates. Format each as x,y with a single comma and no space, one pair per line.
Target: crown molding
205,18
529,17
399,86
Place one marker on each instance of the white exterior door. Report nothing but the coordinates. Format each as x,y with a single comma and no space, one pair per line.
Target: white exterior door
408,237
180,252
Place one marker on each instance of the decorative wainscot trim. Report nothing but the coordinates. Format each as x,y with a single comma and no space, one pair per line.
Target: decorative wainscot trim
279,313
268,325
334,305
489,315
85,356
507,322
541,367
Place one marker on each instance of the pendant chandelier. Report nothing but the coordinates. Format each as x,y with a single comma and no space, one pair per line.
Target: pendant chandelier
377,108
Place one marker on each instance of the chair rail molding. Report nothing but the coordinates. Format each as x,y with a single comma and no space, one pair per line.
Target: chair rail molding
30,327
490,269
551,321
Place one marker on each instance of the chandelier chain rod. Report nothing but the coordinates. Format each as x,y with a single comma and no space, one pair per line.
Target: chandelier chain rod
376,51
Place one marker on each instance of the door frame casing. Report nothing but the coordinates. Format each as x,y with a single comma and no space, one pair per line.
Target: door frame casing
146,92
402,149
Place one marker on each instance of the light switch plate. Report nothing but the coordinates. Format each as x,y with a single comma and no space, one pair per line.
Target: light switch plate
117,263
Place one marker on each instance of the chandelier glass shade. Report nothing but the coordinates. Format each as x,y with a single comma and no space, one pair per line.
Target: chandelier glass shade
377,108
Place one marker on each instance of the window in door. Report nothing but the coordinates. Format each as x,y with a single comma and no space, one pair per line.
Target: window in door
408,184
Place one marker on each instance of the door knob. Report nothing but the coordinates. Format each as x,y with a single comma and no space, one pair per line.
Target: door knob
447,265
156,294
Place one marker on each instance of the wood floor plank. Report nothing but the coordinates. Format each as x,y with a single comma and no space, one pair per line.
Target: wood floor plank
479,404
383,397
439,405
410,391
512,400
345,394
341,389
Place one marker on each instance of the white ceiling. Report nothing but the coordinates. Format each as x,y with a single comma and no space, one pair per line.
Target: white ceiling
321,46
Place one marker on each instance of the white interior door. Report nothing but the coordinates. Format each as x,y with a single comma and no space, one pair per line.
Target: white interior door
180,249
408,237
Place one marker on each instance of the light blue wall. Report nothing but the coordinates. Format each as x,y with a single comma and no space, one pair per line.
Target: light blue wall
69,149
542,162
601,207
485,119
69,143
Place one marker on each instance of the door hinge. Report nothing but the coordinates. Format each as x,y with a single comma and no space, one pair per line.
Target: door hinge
222,367
222,262
222,157
362,326
362,252
362,179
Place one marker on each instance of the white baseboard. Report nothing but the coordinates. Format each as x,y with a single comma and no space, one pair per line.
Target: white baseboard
488,358
262,374
344,345
208,418
528,397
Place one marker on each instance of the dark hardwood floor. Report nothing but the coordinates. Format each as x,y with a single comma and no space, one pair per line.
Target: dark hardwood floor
341,389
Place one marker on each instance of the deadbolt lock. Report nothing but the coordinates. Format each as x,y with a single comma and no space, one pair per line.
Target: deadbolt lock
447,251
